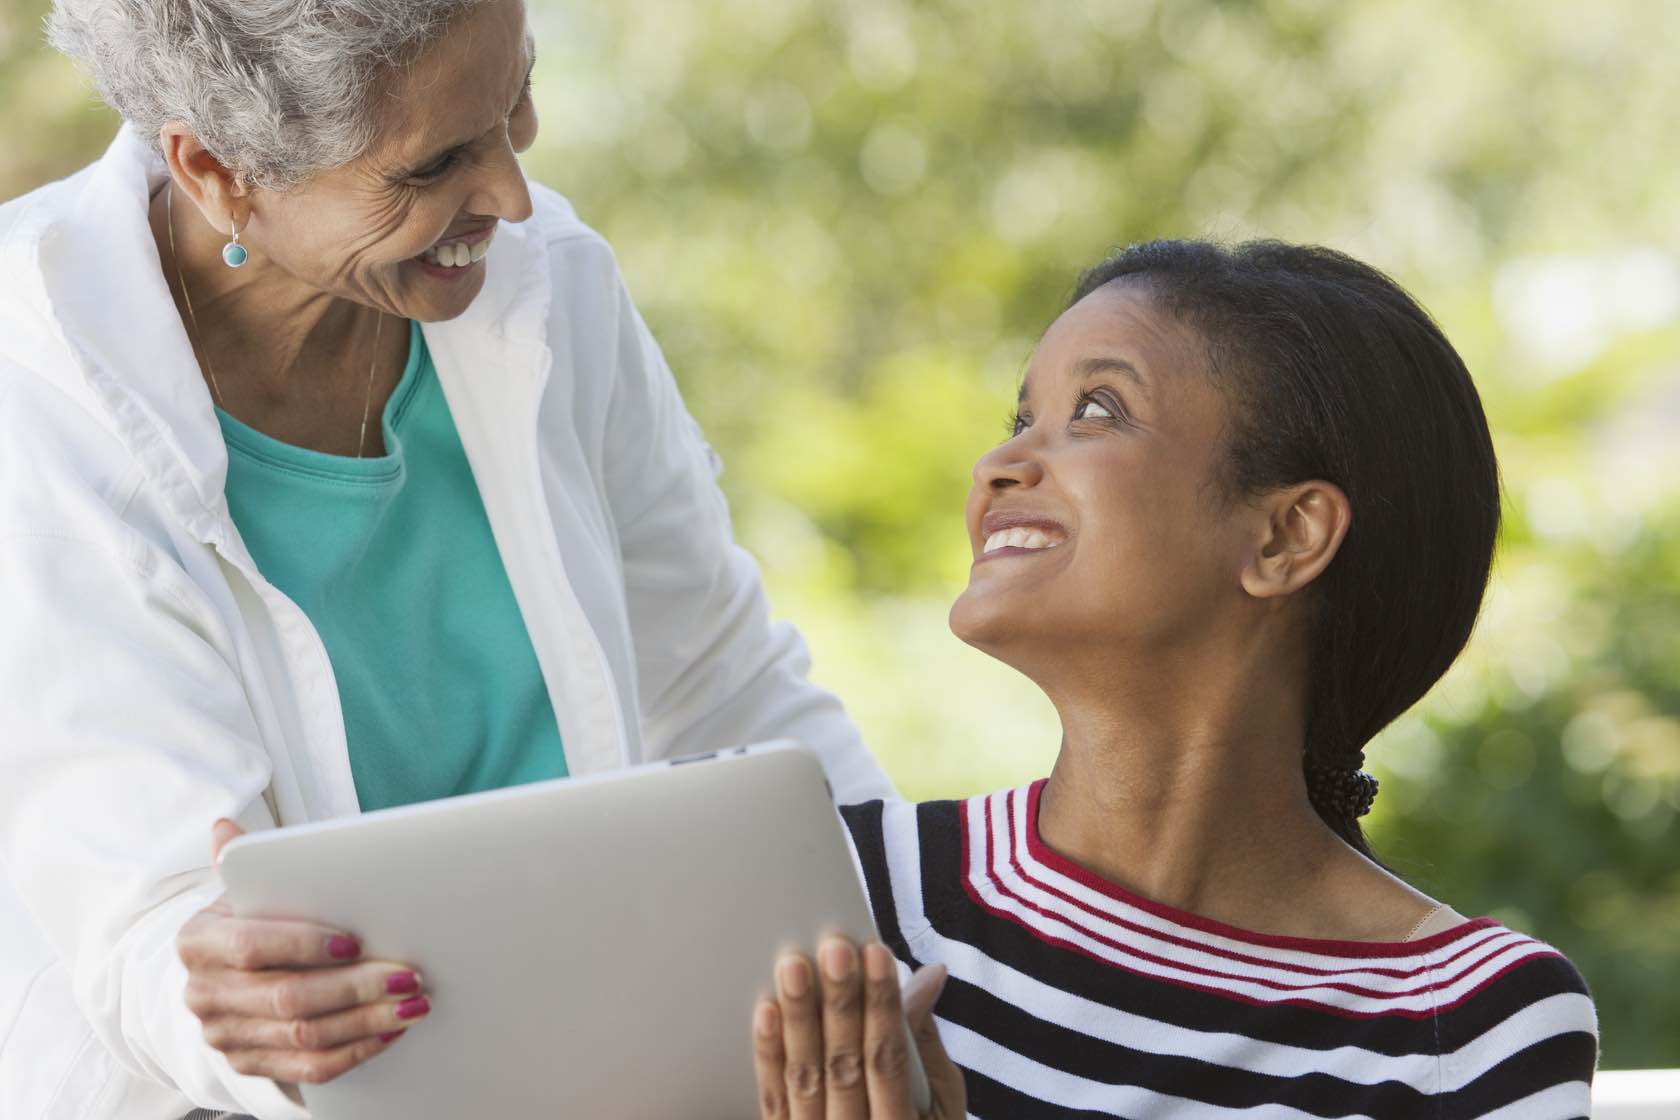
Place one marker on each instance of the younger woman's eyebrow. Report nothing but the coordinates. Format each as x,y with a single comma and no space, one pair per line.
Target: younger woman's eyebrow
1088,368
1096,367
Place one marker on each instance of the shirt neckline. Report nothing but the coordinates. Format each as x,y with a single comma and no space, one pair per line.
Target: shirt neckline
1042,853
264,449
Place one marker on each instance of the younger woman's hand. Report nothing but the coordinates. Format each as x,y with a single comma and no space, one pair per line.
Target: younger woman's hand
291,1001
830,1044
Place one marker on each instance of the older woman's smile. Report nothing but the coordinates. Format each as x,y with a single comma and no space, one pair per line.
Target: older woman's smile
452,256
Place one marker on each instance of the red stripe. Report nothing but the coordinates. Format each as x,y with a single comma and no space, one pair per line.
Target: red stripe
1463,930
1291,1001
1275,985
1328,947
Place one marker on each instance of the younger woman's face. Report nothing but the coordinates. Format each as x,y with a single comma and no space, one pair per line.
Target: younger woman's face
1099,525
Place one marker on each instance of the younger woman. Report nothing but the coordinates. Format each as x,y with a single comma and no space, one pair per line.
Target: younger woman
1243,520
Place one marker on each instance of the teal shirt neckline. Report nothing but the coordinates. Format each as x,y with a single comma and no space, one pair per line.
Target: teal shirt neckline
340,468
392,559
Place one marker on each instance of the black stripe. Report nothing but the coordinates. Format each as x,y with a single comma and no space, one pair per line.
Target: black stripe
864,821
1565,1057
1203,1078
1557,1060
954,915
990,1099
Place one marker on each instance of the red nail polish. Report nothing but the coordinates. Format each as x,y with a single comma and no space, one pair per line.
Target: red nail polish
392,1037
402,983
413,1008
342,947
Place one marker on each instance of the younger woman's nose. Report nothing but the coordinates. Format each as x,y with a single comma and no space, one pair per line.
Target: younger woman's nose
1009,464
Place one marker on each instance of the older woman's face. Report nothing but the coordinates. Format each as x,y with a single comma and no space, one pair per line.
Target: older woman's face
442,173
1098,524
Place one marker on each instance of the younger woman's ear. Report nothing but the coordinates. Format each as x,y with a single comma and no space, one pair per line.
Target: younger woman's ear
1301,531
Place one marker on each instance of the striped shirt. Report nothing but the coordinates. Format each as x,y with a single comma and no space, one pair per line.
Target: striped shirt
1070,997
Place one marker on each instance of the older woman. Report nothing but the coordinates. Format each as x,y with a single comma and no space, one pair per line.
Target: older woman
337,470
1243,519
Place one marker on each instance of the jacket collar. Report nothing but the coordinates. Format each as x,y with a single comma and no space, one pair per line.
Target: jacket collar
103,282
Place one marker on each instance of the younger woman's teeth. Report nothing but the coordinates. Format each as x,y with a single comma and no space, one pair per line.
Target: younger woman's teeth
1021,537
457,254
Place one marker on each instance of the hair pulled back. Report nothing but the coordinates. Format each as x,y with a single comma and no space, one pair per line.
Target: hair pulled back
1333,372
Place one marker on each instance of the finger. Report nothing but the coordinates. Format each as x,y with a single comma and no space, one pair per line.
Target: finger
769,1061
801,1037
842,1031
220,833
216,940
886,1041
922,991
920,994
299,994
326,1032
309,1067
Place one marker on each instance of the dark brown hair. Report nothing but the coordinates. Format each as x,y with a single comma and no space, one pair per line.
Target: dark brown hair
1335,373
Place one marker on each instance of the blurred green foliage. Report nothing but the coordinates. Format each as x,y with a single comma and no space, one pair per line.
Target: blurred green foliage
847,223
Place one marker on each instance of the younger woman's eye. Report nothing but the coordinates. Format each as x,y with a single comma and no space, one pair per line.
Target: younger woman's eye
1089,408
1014,424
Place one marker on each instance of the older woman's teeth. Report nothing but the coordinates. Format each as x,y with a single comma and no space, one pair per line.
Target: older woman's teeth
457,254
1021,538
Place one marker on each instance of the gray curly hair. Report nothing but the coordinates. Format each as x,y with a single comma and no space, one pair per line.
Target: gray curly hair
278,90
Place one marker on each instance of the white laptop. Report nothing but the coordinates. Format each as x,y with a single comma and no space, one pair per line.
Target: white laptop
592,947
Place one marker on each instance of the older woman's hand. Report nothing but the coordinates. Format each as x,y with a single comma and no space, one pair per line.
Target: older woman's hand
830,1045
291,1000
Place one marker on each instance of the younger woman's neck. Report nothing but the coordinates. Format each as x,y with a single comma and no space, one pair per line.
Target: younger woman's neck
1198,808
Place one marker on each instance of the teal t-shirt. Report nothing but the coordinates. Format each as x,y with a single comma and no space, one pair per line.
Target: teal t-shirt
392,560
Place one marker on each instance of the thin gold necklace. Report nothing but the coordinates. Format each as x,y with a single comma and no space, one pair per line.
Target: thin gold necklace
186,297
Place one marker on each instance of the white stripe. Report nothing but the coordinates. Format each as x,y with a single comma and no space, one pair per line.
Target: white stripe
1037,900
1347,969
1054,1086
1543,1019
1320,994
1356,1065
1113,1025
1418,1002
1560,1102
899,836
1014,830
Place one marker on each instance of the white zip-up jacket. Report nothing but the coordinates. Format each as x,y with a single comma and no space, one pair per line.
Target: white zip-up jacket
151,680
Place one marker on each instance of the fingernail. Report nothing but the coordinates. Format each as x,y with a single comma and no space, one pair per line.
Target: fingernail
838,960
795,977
392,1037
877,962
402,983
413,1008
764,1020
342,947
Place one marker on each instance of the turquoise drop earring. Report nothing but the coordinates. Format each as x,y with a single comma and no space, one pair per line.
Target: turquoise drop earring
233,253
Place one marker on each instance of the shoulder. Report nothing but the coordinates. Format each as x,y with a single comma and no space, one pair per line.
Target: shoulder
26,217
907,854
1517,972
878,827
60,463
1516,1023
571,243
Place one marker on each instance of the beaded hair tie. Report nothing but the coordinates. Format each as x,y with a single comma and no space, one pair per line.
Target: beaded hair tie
1338,782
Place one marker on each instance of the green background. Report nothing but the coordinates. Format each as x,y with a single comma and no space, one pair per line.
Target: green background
848,222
